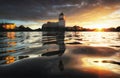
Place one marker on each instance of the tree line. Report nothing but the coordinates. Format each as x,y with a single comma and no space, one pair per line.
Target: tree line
73,28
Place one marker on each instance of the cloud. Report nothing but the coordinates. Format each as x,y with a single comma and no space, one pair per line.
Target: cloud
37,9
34,10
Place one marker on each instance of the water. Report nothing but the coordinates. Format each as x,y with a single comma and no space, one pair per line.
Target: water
15,46
18,43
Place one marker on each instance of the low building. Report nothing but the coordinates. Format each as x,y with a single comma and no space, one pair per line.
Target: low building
8,26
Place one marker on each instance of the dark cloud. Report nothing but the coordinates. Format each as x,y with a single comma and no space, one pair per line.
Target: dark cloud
44,9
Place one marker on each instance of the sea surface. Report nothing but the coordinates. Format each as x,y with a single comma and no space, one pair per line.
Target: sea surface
15,46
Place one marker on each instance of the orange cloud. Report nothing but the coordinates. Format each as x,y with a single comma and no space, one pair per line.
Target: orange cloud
91,16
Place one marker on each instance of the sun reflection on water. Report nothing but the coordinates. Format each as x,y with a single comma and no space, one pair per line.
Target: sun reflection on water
98,64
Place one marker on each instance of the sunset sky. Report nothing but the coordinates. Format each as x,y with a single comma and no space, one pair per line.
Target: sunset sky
85,13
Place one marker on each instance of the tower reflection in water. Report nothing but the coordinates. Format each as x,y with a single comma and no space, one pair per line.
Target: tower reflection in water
53,33
49,38
6,43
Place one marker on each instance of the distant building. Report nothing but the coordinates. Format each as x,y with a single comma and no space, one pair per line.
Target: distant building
55,25
61,20
8,26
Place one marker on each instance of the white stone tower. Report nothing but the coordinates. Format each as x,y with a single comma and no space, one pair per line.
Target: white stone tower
61,22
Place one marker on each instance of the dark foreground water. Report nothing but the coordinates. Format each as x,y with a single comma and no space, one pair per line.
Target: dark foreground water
83,54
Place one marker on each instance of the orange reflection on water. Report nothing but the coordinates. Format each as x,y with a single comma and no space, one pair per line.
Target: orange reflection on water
96,64
11,51
11,43
10,59
11,35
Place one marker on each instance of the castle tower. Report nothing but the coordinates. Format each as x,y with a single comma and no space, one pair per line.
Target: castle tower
61,22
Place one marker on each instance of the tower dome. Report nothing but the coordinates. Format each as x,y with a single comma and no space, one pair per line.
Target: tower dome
61,20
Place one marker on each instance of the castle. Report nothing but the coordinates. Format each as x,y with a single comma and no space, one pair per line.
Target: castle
55,26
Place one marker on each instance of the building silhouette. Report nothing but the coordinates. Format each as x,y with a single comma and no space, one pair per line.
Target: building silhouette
55,26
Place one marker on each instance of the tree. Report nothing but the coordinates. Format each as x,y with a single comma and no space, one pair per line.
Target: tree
118,28
76,28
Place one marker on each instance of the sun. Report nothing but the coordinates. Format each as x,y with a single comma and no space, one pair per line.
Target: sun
99,27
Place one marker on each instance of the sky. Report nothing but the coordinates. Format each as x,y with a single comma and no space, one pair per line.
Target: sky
84,13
